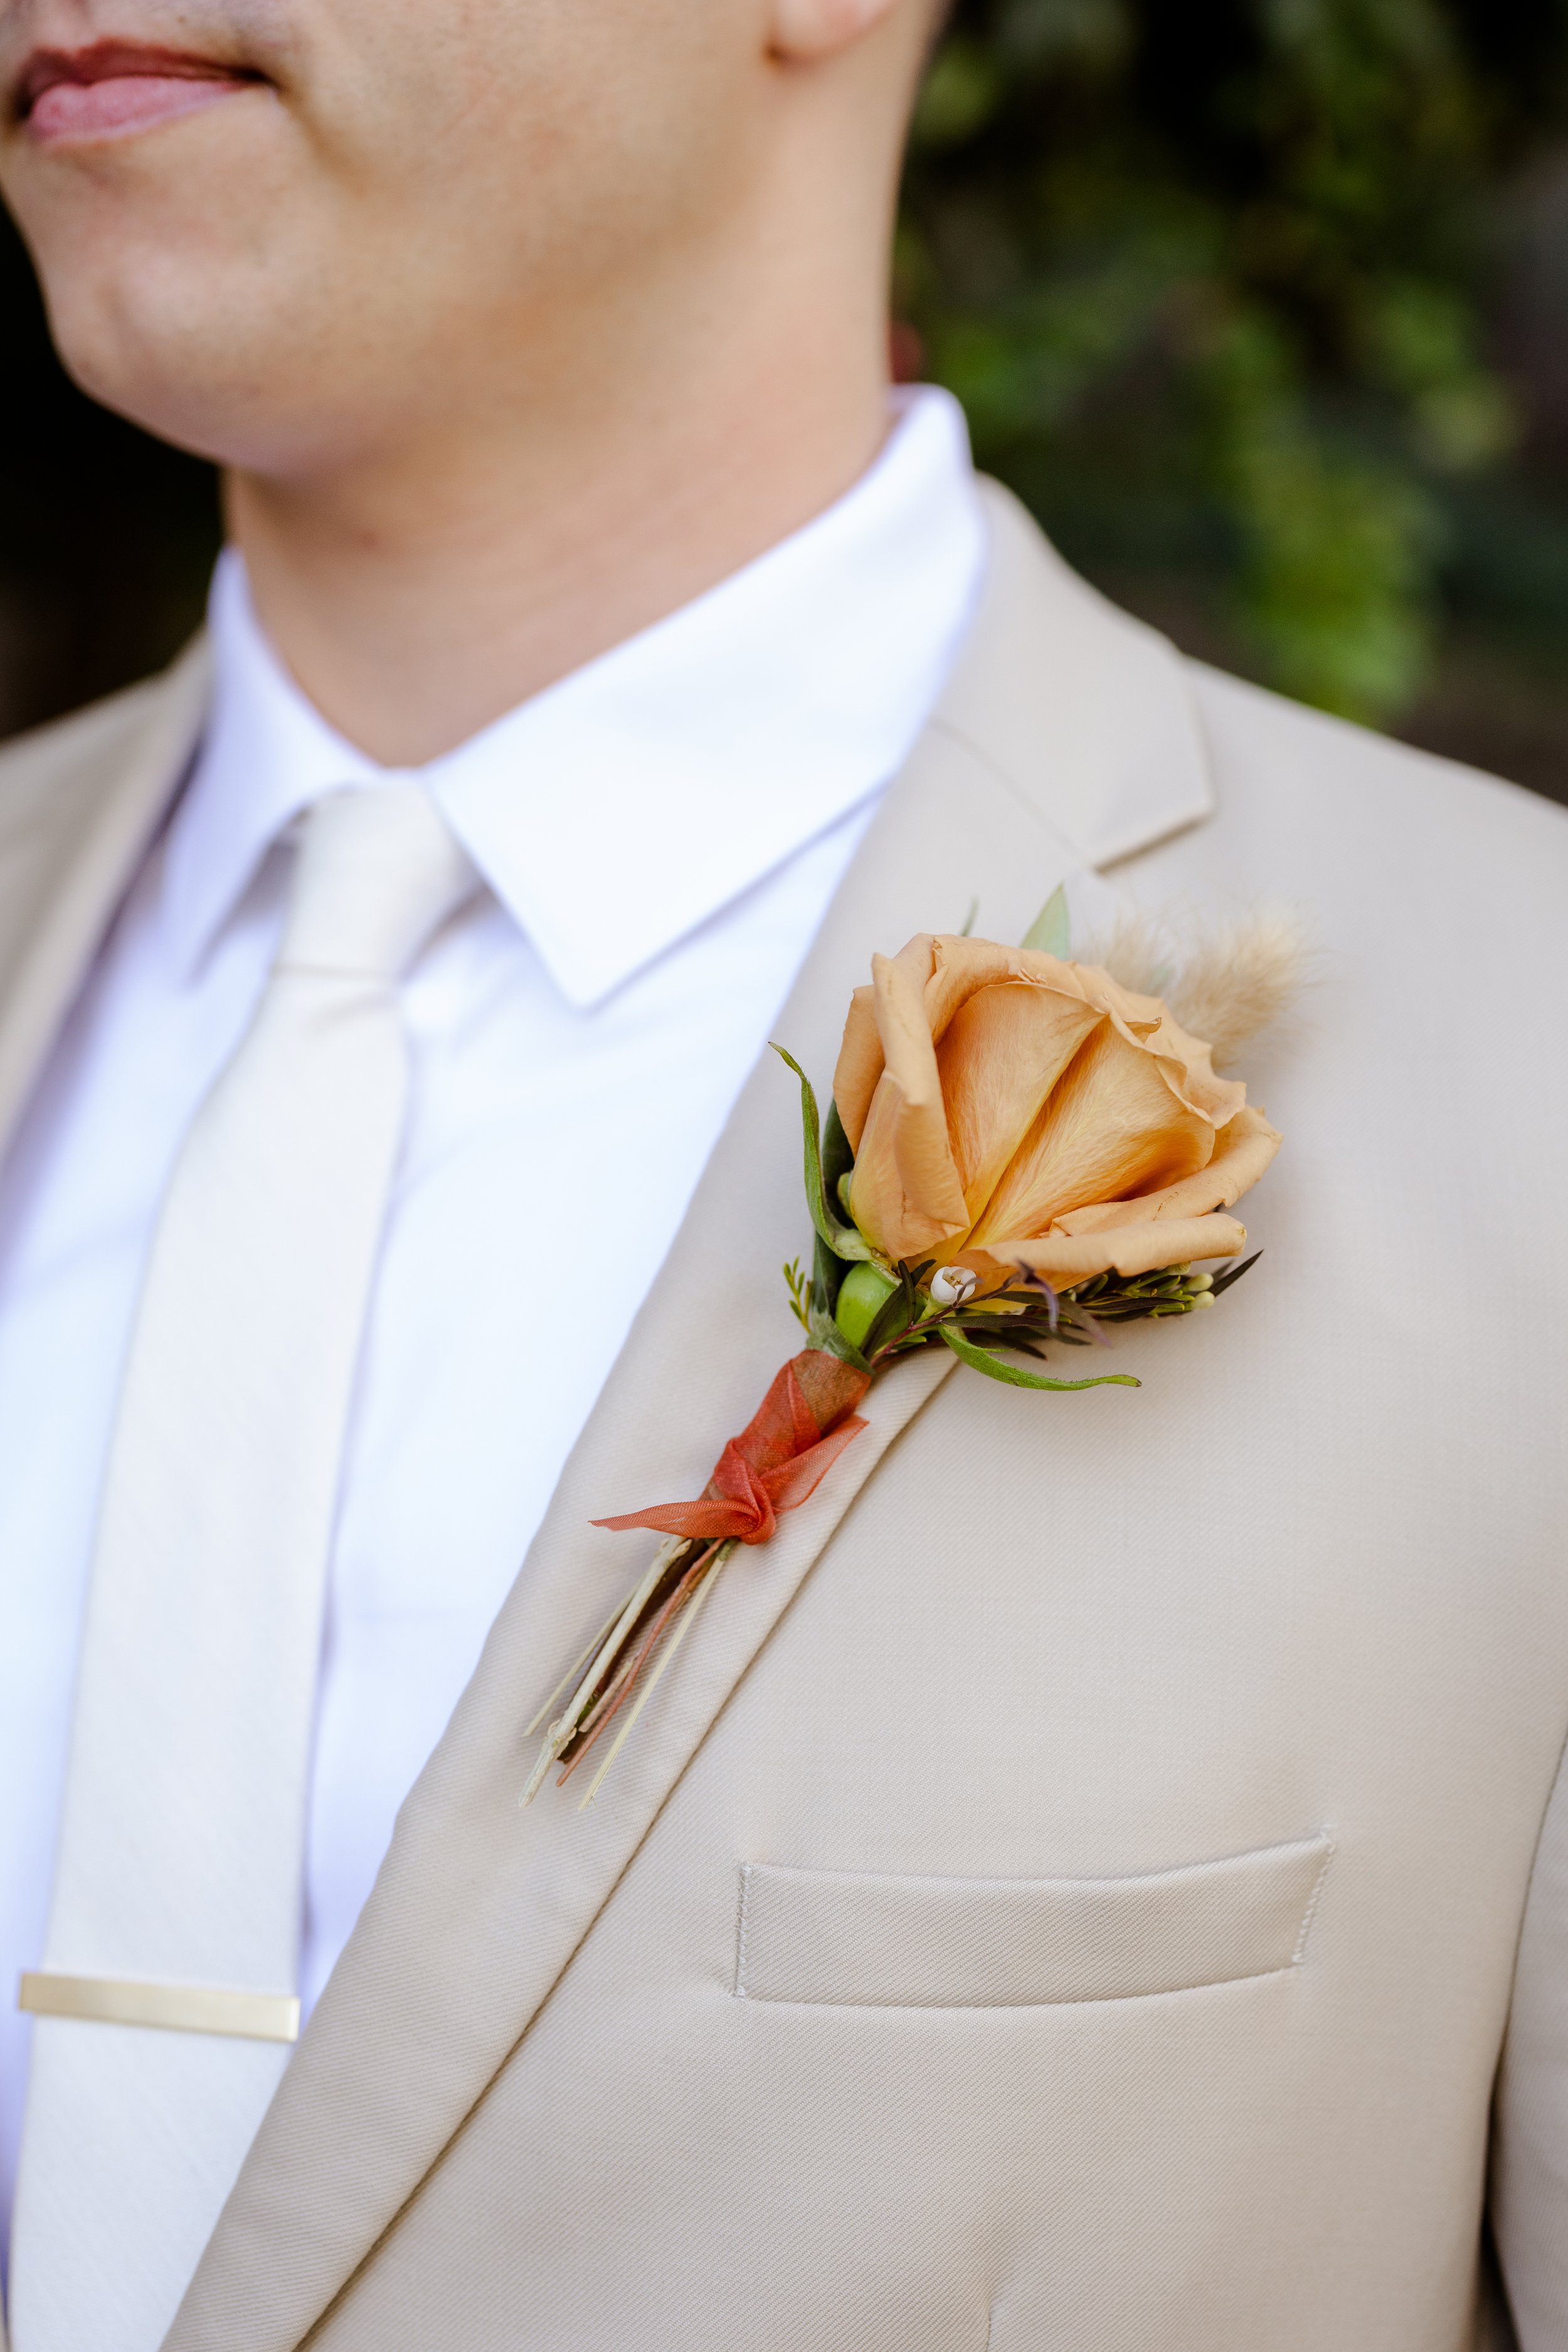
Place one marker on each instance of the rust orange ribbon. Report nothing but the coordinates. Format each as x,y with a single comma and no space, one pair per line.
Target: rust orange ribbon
781,1457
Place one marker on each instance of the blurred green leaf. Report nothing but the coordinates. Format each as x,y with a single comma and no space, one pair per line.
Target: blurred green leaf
958,95
1213,285
1051,933
842,1240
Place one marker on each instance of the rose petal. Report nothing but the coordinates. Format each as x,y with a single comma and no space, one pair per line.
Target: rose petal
1004,1050
860,1066
1064,1259
1187,1062
1242,1152
949,970
1113,1127
991,1093
906,1196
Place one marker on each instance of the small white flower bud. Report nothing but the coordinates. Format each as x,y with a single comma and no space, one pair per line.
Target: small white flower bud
952,1286
1204,1298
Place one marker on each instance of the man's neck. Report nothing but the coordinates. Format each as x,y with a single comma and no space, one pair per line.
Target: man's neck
417,598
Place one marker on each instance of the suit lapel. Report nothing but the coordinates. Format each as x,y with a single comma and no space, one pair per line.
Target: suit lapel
79,804
1084,713
481,1906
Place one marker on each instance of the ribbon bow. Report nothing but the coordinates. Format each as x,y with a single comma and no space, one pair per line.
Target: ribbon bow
779,1459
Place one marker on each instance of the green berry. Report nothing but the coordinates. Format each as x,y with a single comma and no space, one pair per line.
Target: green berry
862,1295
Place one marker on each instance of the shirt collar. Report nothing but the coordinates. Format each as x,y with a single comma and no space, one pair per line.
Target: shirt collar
623,807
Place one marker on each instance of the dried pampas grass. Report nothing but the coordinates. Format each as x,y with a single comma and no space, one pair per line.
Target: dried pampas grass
1224,986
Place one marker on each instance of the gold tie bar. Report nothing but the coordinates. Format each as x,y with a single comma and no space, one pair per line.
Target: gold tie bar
176,2009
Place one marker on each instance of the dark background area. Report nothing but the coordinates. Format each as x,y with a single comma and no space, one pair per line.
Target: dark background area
106,536
1262,304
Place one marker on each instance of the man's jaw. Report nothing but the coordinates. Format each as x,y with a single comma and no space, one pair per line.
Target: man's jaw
114,88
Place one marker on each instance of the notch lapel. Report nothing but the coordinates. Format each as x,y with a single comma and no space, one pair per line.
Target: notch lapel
1058,703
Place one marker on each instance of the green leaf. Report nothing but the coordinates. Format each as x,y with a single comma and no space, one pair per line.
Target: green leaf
842,1240
1051,933
968,1353
837,1160
826,1335
896,1318
799,1287
827,1276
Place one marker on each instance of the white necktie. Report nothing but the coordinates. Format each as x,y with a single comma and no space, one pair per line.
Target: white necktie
178,1885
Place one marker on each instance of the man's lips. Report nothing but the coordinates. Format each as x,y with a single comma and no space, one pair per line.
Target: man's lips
115,87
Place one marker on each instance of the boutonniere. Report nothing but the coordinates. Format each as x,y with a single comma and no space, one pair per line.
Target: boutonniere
1020,1152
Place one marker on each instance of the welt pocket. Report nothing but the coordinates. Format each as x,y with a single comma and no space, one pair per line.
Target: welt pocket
855,1939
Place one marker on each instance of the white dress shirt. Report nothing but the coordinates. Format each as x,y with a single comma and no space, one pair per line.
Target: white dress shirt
660,835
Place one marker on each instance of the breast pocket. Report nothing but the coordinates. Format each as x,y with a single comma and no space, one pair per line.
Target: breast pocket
852,1939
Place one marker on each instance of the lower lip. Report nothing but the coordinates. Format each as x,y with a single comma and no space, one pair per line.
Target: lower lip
68,111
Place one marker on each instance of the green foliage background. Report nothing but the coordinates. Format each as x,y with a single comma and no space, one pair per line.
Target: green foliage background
1217,281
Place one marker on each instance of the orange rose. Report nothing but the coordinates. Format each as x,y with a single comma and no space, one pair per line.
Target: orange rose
1007,1109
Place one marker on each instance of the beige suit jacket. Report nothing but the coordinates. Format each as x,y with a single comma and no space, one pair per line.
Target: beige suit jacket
1094,1881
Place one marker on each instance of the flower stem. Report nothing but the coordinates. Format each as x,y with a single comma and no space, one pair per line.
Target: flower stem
687,1618
561,1731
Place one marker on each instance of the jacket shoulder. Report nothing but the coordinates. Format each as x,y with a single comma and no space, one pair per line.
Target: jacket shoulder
78,802
81,754
1264,747
78,797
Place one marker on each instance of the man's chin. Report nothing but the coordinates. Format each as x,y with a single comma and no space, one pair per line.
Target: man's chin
161,294
174,352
